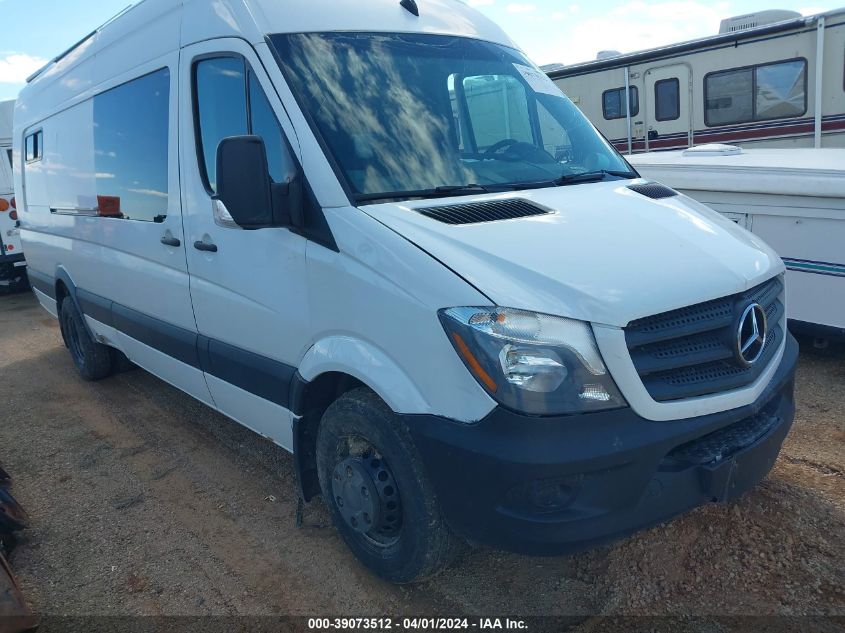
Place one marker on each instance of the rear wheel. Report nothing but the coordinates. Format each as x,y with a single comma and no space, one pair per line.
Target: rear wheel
379,496
93,360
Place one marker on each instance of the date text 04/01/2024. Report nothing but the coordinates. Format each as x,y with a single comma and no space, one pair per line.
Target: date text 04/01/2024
424,624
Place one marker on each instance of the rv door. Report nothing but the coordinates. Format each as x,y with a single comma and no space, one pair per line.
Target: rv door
668,115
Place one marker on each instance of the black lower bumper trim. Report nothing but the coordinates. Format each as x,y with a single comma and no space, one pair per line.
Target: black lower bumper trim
558,485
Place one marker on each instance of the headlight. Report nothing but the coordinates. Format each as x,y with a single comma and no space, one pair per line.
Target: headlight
532,363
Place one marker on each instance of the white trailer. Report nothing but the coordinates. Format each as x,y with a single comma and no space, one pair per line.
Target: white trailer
12,263
794,200
772,79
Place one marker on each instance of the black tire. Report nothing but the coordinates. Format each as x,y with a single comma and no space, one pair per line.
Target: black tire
92,359
421,544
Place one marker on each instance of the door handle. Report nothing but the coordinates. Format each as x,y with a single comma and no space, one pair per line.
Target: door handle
168,240
205,246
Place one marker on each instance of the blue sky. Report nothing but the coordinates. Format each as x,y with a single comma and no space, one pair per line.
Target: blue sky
549,30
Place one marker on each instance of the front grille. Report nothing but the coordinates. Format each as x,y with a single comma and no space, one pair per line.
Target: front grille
475,212
690,352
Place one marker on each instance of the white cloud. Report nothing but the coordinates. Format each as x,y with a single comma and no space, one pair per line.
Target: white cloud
518,7
634,26
16,67
479,3
149,192
812,10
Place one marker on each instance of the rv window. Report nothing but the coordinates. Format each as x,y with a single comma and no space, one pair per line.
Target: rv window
613,103
11,160
780,90
667,99
221,107
756,93
131,148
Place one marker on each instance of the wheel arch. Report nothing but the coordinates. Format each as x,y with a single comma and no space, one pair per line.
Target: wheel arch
329,369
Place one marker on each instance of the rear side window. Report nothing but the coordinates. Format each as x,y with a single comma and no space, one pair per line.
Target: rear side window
613,103
229,101
34,143
667,99
131,125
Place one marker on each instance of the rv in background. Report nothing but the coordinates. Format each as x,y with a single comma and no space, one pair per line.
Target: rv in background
12,264
772,79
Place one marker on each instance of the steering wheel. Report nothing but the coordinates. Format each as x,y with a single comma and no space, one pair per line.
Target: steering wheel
518,150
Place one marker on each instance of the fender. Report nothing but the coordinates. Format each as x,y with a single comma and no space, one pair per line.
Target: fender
361,362
368,364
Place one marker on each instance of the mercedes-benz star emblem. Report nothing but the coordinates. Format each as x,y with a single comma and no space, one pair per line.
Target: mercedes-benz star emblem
751,334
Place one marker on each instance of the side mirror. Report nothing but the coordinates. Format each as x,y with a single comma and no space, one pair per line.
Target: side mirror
245,188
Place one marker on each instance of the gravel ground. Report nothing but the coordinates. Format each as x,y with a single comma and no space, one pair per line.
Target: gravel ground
144,501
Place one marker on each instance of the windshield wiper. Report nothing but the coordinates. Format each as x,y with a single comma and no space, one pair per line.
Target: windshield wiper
593,176
443,191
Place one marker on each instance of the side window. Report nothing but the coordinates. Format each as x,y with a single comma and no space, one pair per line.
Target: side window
758,93
230,102
11,160
263,123
498,109
613,103
667,99
220,97
131,124
34,143
780,90
729,97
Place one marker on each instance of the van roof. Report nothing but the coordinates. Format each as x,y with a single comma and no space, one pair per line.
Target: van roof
673,50
255,19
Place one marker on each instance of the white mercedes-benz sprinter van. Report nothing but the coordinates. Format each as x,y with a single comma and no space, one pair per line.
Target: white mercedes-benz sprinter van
378,235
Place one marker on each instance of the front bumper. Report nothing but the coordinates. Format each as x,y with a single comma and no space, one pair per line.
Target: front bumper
559,485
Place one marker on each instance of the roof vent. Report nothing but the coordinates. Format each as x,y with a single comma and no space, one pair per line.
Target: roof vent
753,20
713,149
477,212
653,190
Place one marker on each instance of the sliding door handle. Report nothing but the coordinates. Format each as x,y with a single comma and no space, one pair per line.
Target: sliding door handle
205,246
168,240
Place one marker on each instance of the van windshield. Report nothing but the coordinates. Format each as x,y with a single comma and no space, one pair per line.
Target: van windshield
418,115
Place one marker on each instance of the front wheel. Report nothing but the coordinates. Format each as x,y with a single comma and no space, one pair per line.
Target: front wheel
380,499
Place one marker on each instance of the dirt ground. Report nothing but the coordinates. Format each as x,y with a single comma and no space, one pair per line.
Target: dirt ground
144,501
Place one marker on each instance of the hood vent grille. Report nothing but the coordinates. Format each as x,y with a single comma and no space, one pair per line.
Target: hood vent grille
653,190
477,212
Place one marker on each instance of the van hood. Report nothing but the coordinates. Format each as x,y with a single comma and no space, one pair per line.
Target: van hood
603,254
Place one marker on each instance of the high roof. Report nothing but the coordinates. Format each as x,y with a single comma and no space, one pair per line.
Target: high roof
254,19
673,50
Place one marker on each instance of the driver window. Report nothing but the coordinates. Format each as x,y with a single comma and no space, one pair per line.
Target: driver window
497,106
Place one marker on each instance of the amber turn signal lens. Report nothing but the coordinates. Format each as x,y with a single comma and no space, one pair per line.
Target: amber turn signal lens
473,364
